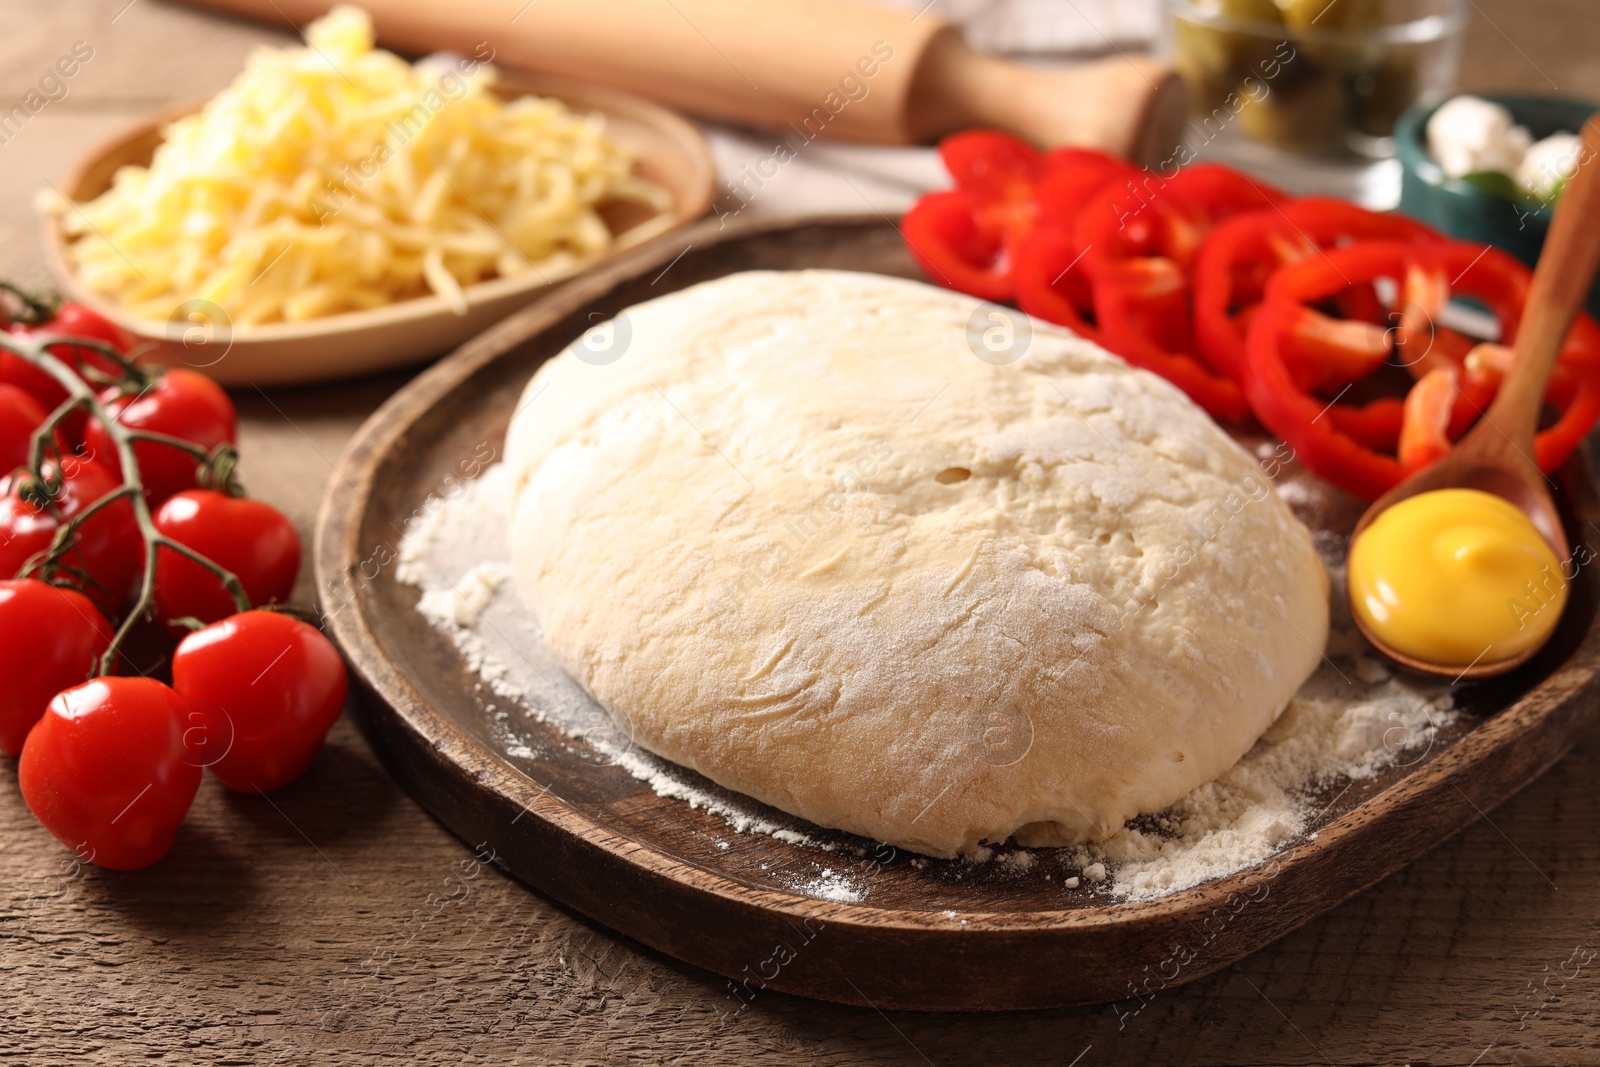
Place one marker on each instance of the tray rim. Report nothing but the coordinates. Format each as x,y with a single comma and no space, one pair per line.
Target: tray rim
1558,696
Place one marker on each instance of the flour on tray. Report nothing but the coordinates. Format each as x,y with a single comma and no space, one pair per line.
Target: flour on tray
1349,721
456,554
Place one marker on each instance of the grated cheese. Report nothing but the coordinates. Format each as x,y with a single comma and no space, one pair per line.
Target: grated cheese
335,177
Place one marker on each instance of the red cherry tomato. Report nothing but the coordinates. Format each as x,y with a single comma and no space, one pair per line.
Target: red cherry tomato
74,320
20,415
50,640
109,546
263,689
180,403
106,771
252,539
37,383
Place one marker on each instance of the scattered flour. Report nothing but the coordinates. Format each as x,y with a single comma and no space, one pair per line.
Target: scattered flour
456,554
1294,492
463,603
831,885
1351,719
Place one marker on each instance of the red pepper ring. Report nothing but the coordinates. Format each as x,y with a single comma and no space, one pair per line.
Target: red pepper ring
990,162
1048,275
954,241
1072,177
1219,192
1142,308
1554,444
1303,420
1136,253
1376,424
964,238
1116,224
1261,241
1051,281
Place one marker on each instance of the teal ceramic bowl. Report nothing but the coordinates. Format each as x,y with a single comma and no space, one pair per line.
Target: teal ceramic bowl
1467,213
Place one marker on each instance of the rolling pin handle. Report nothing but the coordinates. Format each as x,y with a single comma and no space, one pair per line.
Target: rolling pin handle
1133,106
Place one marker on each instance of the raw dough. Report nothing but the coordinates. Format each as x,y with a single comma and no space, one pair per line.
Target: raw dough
793,533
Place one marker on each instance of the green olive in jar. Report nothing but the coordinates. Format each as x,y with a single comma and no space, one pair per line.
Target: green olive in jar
1382,88
1337,16
1330,30
1214,60
1305,109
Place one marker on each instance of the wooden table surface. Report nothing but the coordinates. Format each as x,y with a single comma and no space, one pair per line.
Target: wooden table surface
314,926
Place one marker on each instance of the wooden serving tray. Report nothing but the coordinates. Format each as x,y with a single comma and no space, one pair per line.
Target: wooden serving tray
938,935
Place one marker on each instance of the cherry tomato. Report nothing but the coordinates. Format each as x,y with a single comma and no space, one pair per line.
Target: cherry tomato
106,771
20,415
109,546
179,403
75,320
37,383
251,538
263,688
50,640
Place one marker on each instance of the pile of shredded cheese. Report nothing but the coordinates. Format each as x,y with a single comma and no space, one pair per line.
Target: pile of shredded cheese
334,177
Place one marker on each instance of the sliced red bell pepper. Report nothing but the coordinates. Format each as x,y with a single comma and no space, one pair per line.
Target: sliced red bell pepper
1573,389
1553,445
1250,245
957,244
1305,421
1138,245
969,237
1220,192
1072,176
1142,306
1375,424
1051,281
1425,431
992,163
1144,299
1117,224
1359,302
1324,353
1322,437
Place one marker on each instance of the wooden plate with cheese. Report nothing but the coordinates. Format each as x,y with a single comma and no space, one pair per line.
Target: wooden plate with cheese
668,150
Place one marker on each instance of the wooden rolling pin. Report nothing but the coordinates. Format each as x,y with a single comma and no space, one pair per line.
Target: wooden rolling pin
832,67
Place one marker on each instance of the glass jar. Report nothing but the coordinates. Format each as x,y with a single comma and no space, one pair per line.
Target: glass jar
1309,90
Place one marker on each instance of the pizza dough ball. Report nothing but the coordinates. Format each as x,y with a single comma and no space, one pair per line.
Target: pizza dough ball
794,533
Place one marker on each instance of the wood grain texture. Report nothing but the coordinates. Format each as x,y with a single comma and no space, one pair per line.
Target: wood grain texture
935,935
248,947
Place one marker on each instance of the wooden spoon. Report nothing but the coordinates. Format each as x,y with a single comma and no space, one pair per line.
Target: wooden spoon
1496,455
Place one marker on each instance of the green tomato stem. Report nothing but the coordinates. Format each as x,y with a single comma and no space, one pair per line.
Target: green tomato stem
36,351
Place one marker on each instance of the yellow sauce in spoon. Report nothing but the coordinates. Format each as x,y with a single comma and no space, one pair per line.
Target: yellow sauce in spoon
1456,576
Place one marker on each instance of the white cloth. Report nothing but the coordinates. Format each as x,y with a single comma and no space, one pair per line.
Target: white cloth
1053,27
